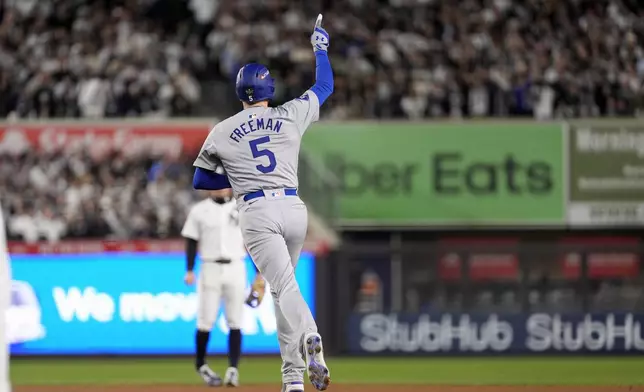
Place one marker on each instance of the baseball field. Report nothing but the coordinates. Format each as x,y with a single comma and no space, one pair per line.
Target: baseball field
552,374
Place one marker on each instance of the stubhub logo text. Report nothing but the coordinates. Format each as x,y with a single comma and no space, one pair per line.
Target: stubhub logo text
130,303
497,333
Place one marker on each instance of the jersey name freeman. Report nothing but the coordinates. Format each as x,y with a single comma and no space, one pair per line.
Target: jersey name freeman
255,125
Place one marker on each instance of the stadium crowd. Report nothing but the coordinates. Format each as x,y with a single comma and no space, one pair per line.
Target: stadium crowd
392,58
83,58
429,58
48,197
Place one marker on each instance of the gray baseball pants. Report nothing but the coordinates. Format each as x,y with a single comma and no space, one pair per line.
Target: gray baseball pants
274,230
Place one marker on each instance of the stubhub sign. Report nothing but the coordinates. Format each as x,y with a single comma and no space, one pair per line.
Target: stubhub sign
438,333
124,303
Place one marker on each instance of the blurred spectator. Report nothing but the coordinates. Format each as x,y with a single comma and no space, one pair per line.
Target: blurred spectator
92,97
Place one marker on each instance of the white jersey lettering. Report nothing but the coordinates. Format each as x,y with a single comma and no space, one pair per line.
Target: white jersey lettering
259,147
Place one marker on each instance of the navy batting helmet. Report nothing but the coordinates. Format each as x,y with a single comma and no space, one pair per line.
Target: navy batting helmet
254,83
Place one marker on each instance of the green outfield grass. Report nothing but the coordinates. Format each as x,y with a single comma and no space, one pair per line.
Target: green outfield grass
454,371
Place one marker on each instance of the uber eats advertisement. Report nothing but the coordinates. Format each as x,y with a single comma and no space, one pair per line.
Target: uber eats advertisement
445,174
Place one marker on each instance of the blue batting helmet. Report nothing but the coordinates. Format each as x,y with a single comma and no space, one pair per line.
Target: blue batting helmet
254,83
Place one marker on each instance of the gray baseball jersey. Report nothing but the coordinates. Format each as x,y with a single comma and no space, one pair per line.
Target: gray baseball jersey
259,147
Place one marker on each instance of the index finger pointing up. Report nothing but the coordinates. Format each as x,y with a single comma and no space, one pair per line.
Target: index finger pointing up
318,21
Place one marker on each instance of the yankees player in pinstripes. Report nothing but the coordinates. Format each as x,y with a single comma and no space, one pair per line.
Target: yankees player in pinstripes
5,292
212,227
256,151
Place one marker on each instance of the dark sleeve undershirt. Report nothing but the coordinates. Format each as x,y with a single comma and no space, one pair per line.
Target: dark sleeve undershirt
191,254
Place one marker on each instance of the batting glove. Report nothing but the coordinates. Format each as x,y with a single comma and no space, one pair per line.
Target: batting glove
319,38
257,291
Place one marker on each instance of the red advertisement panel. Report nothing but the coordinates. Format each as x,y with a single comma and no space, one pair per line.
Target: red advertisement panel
608,257
602,265
96,246
167,138
486,258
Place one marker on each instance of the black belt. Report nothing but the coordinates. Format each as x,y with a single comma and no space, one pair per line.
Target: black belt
220,261
255,195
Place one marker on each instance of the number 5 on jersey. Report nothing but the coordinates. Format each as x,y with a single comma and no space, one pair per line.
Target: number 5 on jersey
258,152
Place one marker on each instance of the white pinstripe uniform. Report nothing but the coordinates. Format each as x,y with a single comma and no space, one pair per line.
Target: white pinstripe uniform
5,291
215,227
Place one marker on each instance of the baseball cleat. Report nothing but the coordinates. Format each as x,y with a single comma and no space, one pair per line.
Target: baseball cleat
293,387
319,374
231,378
211,378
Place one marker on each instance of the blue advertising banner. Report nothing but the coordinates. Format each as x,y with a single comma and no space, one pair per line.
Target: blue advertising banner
496,333
124,303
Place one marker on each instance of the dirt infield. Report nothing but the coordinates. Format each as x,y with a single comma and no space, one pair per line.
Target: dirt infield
334,388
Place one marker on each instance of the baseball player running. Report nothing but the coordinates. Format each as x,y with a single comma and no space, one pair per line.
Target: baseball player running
5,291
256,151
212,227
